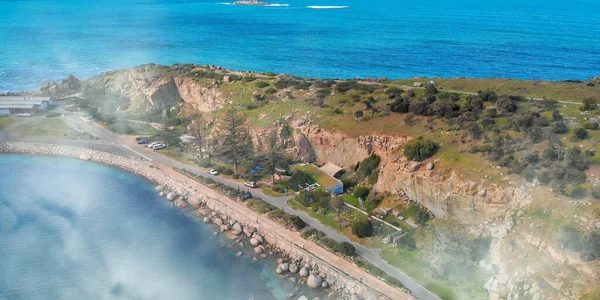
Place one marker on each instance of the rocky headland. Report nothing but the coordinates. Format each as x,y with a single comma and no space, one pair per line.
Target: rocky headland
524,260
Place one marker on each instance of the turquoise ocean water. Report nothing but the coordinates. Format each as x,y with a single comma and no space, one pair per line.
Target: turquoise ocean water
533,39
74,230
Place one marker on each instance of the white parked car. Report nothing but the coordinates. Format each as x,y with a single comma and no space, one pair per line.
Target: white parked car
153,144
250,184
213,172
159,146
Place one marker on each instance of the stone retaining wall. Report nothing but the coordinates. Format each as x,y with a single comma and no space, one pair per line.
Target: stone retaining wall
342,285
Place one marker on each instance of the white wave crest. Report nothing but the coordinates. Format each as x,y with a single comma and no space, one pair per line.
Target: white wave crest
276,4
326,7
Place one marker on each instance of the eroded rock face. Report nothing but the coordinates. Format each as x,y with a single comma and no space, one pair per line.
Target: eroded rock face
142,89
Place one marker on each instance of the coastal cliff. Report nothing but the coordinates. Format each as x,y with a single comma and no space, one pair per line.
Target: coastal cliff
512,212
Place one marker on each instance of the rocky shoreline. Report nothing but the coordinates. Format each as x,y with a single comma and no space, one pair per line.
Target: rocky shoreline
239,225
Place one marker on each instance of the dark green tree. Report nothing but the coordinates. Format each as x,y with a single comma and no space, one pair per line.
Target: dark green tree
420,149
361,225
236,142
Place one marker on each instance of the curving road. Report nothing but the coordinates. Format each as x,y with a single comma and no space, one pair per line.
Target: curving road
111,142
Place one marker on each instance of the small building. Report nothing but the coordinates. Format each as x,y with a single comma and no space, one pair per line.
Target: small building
14,105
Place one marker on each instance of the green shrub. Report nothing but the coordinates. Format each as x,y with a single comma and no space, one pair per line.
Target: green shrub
227,171
205,163
345,248
53,115
285,83
580,134
362,225
323,93
420,149
261,84
368,165
417,213
394,90
374,176
361,192
312,233
295,222
269,74
327,242
349,182
570,238
590,246
320,84
590,125
559,127
270,91
248,79
235,77
298,178
235,176
305,85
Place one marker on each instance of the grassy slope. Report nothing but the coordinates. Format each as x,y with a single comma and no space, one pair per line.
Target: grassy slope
5,122
319,176
564,91
41,128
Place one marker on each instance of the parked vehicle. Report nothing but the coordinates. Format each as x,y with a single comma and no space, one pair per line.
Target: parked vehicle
142,141
141,138
153,144
250,184
213,172
247,195
159,146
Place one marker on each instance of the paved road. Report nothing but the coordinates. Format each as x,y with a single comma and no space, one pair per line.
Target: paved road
111,142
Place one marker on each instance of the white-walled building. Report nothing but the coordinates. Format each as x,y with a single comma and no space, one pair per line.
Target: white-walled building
11,105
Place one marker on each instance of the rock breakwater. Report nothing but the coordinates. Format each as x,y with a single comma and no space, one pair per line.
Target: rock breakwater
239,223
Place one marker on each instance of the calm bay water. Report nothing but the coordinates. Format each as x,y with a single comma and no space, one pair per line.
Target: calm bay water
76,230
535,39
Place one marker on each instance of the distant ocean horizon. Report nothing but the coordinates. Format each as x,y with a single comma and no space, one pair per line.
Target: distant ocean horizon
536,39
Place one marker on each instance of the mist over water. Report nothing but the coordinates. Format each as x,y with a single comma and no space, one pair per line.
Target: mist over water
536,39
76,230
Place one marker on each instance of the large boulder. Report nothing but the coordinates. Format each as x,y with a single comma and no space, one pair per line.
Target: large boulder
293,268
160,188
171,196
259,238
303,272
302,298
253,242
257,250
206,220
285,267
236,227
314,281
218,221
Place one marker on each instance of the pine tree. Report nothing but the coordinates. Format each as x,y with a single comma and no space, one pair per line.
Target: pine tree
236,143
